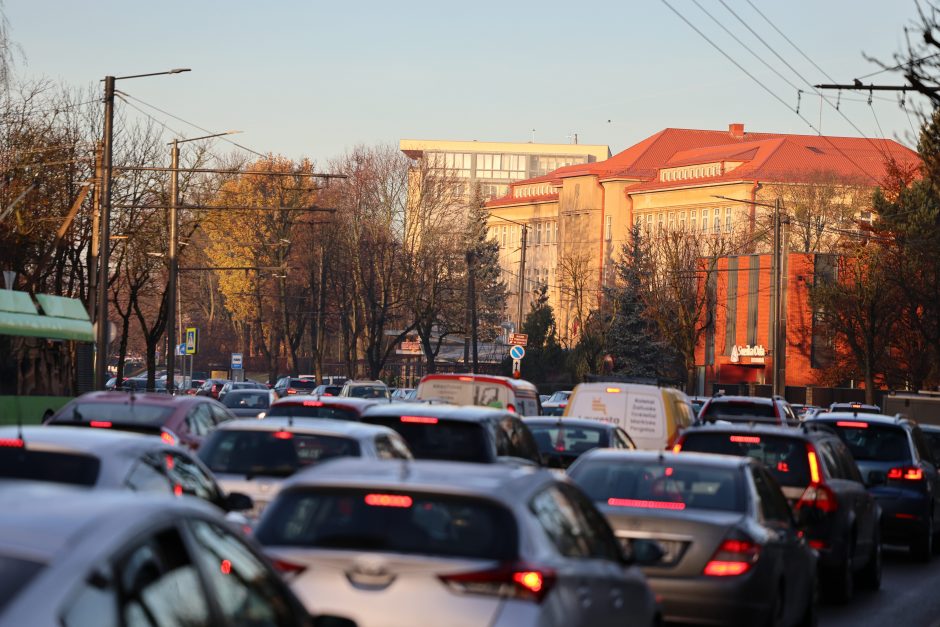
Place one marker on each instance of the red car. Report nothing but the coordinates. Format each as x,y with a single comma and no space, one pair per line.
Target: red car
183,420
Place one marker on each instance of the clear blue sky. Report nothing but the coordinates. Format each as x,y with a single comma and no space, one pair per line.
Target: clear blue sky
316,78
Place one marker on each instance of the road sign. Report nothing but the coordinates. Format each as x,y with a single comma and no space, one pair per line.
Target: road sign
517,352
181,349
516,368
518,339
191,340
236,361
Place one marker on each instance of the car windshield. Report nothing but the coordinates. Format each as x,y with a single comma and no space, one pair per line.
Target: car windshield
873,443
784,457
736,411
566,439
382,520
433,438
656,485
558,397
271,453
312,409
125,411
247,399
15,573
57,467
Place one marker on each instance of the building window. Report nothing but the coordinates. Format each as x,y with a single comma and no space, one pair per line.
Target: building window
503,244
704,220
727,219
693,226
649,222
538,232
608,228
672,221
717,221
556,232
682,220
661,222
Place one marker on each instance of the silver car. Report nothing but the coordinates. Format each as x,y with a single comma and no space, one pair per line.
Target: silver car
77,558
105,459
450,543
255,456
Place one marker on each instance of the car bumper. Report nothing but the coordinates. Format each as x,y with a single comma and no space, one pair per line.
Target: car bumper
903,515
713,600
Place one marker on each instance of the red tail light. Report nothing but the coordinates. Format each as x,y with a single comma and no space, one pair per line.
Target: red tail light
313,403
906,473
734,557
745,439
852,424
11,443
288,568
100,424
511,407
671,505
819,496
168,436
518,581
426,420
389,500
283,435
291,391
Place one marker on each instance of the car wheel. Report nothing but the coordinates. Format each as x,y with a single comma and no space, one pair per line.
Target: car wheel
922,545
870,576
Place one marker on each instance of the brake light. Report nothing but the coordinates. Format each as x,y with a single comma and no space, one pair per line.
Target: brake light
519,581
613,390
852,424
178,490
906,473
11,443
388,500
677,448
100,424
291,391
169,437
820,497
283,435
783,467
734,557
745,439
813,464
511,407
426,420
288,568
465,378
671,505
313,404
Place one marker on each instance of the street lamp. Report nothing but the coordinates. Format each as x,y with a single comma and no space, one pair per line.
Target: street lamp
172,258
104,213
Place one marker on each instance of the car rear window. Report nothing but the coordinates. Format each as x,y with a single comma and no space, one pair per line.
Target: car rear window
15,573
271,453
247,399
738,411
785,458
54,466
434,438
873,443
128,412
303,384
312,409
667,486
394,521
567,439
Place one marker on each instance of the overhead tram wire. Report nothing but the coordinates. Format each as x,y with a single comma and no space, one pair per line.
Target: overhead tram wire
769,91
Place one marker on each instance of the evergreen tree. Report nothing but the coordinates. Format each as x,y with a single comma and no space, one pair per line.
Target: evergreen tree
490,289
632,340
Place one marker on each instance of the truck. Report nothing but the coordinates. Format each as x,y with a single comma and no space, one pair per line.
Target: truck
923,406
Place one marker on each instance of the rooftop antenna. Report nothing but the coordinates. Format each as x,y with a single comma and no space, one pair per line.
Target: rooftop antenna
533,135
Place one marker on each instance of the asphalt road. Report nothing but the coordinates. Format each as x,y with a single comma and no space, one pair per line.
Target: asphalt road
909,597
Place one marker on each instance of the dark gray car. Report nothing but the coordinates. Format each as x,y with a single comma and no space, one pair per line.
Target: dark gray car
249,403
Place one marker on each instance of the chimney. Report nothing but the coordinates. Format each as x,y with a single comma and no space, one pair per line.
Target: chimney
736,130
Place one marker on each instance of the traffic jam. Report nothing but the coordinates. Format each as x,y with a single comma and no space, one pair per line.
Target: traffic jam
469,501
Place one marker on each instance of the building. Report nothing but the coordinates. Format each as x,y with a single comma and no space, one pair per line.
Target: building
577,217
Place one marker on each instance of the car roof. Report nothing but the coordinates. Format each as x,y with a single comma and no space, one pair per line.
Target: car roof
646,457
503,482
321,426
42,518
331,401
515,384
466,413
566,421
142,398
931,428
881,419
83,440
763,400
750,427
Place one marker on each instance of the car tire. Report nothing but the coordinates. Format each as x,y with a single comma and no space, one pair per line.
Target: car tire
921,547
870,576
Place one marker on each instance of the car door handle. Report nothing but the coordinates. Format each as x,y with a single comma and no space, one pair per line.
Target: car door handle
584,595
616,599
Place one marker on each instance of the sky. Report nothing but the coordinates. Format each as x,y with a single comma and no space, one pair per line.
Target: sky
315,79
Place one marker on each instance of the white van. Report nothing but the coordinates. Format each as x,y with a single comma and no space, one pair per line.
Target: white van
652,416
516,395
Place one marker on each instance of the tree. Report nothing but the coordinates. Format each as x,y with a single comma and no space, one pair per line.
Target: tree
633,339
544,354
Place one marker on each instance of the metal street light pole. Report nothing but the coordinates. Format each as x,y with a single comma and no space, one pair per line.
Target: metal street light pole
104,230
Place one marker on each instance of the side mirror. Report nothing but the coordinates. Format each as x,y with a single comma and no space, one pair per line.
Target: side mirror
876,478
237,502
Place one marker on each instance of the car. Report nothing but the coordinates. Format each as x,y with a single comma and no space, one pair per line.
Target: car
110,460
563,440
932,435
555,404
250,402
327,390
84,559
515,395
461,433
697,403
863,408
335,407
255,456
756,409
652,415
288,386
821,482
716,538
195,385
450,543
183,420
559,396
898,465
211,388
401,394
239,385
365,389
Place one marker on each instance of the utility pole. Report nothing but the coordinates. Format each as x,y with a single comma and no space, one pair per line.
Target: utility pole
104,232
525,232
174,268
472,309
93,248
780,361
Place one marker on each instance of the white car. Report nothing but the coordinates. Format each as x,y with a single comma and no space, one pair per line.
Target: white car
450,543
257,455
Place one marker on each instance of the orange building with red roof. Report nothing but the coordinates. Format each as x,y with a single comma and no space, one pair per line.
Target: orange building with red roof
578,217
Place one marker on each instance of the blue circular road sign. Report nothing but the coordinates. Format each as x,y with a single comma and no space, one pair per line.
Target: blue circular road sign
517,352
